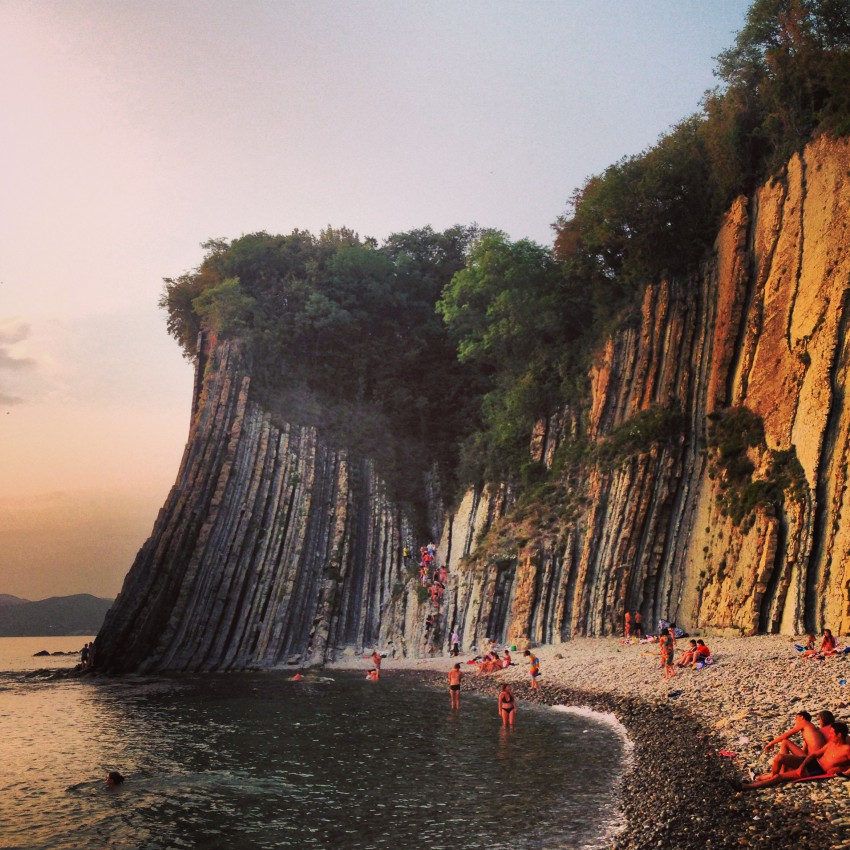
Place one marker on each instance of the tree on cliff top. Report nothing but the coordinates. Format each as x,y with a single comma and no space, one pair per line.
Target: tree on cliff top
345,319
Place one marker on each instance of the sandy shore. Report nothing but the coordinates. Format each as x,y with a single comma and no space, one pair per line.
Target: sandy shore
677,795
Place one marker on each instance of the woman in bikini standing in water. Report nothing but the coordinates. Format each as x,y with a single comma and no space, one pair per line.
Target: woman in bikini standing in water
507,705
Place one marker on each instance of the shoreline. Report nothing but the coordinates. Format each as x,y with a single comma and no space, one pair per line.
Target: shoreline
676,793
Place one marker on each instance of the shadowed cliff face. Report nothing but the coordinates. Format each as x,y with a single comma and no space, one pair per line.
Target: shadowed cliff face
273,547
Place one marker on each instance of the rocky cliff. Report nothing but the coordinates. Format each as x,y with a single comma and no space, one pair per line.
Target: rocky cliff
730,518
705,482
271,546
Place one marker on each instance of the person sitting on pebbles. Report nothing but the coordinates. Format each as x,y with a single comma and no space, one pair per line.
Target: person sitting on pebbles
832,759
813,738
689,656
827,647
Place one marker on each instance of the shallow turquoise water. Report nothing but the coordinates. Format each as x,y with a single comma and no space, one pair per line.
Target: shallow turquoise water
256,761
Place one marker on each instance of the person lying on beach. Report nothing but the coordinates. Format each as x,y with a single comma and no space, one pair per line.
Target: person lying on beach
832,759
491,663
507,706
813,738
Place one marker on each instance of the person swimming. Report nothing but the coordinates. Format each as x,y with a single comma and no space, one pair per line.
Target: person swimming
114,779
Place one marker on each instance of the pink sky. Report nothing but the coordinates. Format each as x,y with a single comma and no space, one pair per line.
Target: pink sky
132,132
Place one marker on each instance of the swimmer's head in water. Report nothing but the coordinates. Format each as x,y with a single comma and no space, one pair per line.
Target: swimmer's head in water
114,779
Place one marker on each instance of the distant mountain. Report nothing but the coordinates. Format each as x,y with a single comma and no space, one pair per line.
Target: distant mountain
6,599
81,614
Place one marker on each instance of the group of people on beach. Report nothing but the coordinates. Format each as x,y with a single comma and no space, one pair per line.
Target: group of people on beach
828,647
696,656
824,751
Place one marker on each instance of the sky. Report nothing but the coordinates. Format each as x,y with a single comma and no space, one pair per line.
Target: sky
132,132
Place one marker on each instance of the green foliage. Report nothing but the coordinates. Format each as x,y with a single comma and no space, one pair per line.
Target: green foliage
638,434
732,431
732,434
789,67
513,315
225,309
786,79
347,332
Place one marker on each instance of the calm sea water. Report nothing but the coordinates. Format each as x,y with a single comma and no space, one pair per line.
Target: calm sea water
256,761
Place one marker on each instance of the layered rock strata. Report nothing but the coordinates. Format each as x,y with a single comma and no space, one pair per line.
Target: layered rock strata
271,546
669,530
705,483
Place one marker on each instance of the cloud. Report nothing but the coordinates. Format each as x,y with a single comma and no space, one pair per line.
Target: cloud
12,332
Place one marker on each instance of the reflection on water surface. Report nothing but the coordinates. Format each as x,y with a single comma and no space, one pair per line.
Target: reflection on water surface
256,761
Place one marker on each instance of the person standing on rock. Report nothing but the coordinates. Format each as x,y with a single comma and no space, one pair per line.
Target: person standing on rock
628,629
533,667
455,643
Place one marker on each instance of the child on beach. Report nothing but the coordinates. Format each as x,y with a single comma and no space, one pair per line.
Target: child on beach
533,667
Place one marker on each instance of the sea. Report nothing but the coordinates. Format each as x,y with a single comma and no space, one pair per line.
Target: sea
254,760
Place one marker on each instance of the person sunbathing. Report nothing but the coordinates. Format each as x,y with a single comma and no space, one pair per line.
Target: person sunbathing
813,738
831,759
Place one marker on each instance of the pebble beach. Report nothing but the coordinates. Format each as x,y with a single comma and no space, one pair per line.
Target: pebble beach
693,734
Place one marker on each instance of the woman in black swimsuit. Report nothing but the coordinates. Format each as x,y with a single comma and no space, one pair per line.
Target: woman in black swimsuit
507,705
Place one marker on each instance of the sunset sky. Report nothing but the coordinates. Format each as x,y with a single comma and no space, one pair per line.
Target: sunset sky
134,131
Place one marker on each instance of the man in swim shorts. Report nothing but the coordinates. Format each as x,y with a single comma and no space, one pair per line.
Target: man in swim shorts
454,685
830,759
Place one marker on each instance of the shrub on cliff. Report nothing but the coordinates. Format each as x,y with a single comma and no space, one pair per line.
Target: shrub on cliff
736,442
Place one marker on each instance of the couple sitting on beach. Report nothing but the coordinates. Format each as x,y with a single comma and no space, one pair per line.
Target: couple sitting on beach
828,647
696,656
825,752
